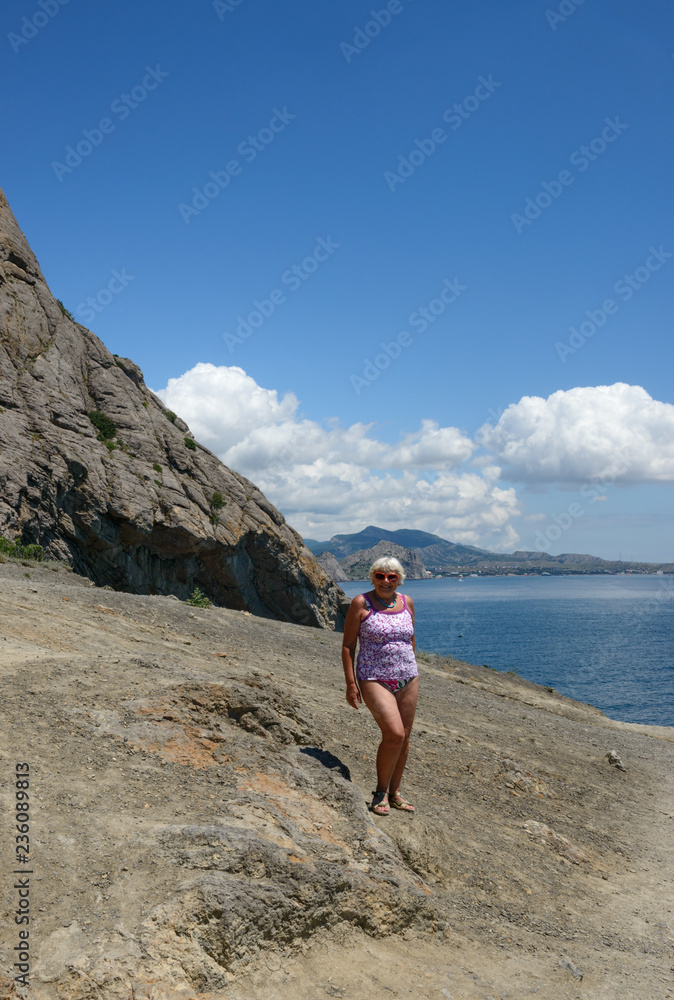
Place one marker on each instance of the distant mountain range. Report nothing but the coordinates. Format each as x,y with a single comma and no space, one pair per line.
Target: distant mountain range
357,565
432,555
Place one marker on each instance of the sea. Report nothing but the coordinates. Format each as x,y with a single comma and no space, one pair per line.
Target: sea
605,640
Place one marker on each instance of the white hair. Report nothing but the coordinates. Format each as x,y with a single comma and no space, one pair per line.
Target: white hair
387,564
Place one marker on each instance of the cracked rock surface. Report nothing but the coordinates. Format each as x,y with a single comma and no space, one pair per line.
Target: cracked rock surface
200,830
146,508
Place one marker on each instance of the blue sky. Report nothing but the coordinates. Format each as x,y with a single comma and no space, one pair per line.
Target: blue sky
387,157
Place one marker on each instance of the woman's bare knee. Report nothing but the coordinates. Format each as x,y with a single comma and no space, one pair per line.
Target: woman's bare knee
394,737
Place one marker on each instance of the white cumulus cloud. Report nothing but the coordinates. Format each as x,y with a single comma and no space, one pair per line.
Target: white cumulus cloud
329,479
222,404
616,432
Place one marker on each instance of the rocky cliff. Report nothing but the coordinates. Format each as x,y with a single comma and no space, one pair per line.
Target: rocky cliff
357,565
94,468
332,567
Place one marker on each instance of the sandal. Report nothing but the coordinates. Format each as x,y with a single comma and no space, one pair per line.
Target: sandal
379,804
398,802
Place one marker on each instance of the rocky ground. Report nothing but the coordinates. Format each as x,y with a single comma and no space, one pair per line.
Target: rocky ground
200,829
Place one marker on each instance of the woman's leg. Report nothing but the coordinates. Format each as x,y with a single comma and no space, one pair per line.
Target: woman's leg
384,707
406,700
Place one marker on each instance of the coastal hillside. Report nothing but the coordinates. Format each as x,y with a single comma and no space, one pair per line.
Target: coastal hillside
198,789
356,566
96,470
346,545
438,556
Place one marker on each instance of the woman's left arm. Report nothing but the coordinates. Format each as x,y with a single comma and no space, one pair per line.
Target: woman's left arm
410,605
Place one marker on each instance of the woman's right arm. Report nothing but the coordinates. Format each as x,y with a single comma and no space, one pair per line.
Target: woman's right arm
351,630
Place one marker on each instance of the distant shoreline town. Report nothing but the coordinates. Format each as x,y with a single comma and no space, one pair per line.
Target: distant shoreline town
426,556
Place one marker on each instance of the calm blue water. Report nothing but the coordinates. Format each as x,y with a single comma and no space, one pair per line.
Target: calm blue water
606,640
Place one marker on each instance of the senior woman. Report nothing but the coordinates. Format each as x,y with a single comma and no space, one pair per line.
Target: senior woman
382,623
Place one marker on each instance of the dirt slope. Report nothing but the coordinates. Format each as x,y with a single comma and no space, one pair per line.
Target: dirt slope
199,825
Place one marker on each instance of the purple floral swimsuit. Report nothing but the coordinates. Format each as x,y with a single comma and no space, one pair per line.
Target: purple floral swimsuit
385,652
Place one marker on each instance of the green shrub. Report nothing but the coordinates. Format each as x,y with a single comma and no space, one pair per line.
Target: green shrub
158,482
217,501
214,518
189,443
145,402
65,311
170,415
198,600
157,468
34,552
110,445
18,551
107,428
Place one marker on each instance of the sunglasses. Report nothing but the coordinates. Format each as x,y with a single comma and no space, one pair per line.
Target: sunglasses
389,577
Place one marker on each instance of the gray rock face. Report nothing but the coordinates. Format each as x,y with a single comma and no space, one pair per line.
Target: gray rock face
133,502
333,567
358,564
